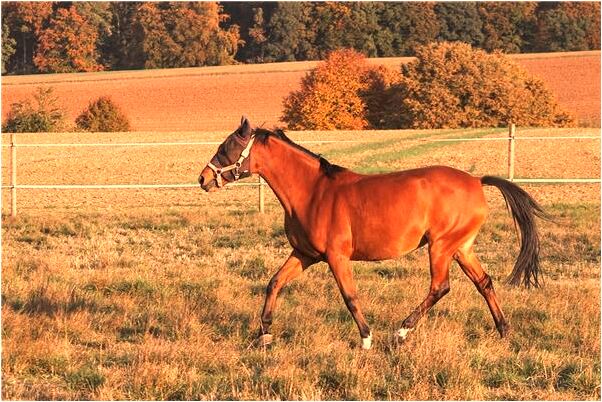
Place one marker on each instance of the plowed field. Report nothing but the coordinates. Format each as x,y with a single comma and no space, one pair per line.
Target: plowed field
213,98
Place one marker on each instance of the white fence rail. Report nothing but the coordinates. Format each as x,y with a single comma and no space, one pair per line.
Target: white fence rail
511,138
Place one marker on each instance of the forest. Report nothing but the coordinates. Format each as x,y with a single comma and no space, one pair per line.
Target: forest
57,37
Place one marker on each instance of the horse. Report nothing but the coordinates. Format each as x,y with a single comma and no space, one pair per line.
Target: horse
335,215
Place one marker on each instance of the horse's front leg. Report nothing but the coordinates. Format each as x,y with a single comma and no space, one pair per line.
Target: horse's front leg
292,268
340,266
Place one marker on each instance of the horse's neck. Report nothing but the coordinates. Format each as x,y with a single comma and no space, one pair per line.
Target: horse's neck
291,173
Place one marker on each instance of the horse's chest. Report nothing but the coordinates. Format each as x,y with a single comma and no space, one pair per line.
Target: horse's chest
299,239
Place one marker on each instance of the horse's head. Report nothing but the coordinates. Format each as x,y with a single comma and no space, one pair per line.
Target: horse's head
231,161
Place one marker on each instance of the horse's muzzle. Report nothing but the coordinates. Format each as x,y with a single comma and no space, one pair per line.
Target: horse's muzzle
207,181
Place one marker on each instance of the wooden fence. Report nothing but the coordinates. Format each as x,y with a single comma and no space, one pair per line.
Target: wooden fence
511,139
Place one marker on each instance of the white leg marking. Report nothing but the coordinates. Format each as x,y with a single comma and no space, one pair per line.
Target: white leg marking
403,332
265,339
367,342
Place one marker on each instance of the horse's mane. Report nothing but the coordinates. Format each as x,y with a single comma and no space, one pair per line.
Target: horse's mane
330,170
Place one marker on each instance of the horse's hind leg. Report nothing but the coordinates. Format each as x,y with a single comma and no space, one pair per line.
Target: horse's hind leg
472,268
440,260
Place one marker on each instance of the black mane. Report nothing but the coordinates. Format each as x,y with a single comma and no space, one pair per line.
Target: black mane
329,169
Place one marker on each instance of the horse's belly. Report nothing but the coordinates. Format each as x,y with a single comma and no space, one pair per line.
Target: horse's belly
386,244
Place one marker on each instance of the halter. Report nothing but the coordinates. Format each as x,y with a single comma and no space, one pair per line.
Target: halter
235,166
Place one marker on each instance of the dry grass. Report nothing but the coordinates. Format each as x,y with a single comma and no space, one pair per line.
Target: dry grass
165,305
157,294
210,98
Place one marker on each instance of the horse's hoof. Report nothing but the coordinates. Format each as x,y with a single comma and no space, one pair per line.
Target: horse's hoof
367,342
503,330
402,334
265,340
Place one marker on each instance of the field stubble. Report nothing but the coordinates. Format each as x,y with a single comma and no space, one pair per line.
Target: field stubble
166,306
156,294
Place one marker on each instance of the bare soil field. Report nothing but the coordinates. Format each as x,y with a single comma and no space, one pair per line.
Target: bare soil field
212,98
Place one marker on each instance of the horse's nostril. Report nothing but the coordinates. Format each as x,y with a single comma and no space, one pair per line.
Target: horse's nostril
201,180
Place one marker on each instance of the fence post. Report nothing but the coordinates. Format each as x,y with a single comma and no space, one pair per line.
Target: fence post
511,133
13,175
261,195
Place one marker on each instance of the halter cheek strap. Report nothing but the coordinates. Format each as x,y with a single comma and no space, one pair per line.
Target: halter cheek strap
235,166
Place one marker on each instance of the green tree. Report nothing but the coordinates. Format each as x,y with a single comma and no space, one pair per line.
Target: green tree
257,36
25,20
68,44
289,36
507,26
8,46
345,25
185,34
124,49
100,15
158,47
460,21
405,25
103,115
569,26
45,116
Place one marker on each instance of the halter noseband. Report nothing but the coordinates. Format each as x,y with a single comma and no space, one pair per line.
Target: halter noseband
235,166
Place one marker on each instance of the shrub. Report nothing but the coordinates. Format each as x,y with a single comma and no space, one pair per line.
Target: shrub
45,117
103,115
452,85
335,95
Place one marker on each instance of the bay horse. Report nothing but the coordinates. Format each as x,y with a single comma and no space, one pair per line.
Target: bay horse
335,215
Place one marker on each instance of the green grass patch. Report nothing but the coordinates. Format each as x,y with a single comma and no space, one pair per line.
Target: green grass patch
365,165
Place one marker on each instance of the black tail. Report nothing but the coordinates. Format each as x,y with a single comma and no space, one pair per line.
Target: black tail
524,209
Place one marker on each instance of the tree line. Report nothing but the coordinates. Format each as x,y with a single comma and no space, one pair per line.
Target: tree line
48,37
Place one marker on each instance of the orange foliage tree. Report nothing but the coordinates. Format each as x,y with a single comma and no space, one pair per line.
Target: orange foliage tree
68,44
452,85
335,95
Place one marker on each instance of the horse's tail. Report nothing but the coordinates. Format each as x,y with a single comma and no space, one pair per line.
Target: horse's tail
523,209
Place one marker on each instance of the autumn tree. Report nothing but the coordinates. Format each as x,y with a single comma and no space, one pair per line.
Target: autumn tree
335,95
68,44
452,85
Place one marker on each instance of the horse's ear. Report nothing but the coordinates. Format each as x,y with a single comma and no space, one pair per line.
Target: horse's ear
245,127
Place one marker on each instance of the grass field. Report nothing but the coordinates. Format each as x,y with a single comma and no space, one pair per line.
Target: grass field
156,294
210,98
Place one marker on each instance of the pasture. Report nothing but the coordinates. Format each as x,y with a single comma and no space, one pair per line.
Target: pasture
156,294
210,98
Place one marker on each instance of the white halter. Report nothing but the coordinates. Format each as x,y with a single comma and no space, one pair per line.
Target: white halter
235,166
